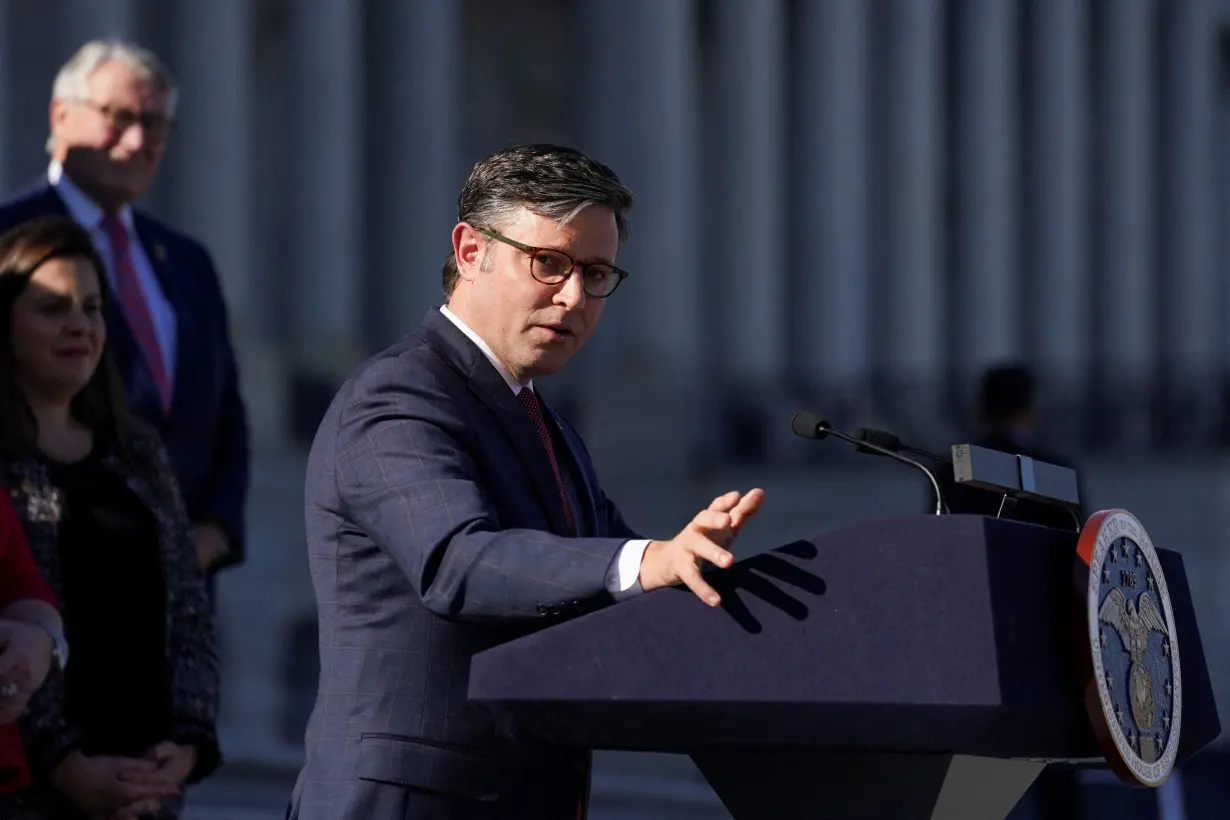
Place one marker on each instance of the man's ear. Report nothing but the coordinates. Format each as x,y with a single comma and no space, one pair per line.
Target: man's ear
467,249
57,112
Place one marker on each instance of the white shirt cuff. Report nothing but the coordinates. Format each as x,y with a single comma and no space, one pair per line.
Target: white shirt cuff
625,572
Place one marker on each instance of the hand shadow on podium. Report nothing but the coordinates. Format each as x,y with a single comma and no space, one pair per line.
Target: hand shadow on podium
764,576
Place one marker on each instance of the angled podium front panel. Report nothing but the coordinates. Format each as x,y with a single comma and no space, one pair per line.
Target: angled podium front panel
949,635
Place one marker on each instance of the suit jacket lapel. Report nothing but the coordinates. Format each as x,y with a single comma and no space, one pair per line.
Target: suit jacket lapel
487,384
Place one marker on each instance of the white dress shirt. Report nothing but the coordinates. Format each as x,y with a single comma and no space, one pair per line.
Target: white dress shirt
86,213
626,568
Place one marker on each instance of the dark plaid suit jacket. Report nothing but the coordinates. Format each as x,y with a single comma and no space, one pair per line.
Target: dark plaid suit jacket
433,523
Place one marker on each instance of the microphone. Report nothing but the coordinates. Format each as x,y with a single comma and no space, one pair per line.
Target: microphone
809,425
892,442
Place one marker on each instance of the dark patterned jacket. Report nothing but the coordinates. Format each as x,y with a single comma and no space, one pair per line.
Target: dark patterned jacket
435,531
190,647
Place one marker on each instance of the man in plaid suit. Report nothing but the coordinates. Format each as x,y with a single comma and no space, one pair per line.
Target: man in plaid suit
450,509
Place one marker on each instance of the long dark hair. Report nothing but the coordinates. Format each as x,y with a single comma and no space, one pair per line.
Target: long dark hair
101,405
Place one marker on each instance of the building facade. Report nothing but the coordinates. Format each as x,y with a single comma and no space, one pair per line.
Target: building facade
847,205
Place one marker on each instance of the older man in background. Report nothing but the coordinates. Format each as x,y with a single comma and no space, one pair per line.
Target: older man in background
112,112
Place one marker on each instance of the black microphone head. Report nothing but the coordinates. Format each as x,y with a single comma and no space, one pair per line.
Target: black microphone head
883,438
809,425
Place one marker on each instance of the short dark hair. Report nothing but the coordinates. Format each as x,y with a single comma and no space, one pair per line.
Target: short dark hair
101,404
550,180
1007,392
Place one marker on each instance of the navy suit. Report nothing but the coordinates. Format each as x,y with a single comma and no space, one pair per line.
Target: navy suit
434,532
206,434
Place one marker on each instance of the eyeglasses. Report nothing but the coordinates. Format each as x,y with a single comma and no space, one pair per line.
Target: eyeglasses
551,267
157,127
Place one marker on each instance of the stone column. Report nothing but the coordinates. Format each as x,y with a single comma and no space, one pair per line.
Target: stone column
641,119
1056,250
212,194
1187,254
326,198
414,168
84,20
911,316
987,284
748,303
831,196
1125,307
748,131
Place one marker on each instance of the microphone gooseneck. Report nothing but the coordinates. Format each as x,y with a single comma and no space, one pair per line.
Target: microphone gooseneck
893,442
810,425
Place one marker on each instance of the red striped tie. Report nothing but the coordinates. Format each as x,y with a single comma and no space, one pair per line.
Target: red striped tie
530,401
136,309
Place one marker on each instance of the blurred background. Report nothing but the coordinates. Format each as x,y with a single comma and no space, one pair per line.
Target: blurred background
846,206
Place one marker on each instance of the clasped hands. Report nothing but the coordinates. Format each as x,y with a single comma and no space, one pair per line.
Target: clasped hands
706,538
124,788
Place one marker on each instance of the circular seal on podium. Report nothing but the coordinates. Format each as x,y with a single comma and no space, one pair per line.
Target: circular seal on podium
1134,689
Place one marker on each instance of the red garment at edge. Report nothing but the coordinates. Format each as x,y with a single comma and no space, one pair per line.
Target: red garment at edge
18,580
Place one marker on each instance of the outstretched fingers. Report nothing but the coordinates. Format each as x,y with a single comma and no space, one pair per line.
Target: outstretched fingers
746,507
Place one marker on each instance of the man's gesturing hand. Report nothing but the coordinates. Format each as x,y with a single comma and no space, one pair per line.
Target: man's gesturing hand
706,538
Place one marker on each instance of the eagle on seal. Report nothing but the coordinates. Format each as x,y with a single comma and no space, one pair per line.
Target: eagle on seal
1134,621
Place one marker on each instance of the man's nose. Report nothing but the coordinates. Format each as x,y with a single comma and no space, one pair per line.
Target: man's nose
134,137
572,292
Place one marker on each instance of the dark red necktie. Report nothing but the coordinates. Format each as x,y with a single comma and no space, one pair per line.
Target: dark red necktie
136,309
530,401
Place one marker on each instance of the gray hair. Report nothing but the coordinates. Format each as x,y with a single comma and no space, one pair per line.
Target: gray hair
549,180
72,82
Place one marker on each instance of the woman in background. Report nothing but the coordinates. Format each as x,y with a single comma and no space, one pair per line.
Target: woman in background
132,717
